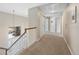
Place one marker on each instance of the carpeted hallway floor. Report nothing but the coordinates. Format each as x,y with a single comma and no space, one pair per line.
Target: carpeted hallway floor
48,45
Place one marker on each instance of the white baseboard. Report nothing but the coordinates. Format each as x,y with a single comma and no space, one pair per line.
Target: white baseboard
68,47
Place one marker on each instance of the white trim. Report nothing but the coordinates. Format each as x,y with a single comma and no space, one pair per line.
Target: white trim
68,47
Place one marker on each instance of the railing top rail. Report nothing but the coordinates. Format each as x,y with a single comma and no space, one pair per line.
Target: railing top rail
3,48
19,37
30,28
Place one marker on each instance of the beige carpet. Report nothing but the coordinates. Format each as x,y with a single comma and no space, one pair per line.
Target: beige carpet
48,45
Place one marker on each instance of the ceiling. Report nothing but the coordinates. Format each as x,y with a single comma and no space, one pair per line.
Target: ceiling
21,9
53,9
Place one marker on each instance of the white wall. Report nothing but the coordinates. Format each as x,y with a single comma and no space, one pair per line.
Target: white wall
34,21
5,22
71,30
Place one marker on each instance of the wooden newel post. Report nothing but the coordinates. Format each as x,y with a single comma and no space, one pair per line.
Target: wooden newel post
25,30
6,52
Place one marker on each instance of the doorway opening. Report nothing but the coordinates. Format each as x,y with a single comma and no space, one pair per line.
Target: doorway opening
52,24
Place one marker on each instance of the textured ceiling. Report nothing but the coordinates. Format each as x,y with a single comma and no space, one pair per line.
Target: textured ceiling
53,9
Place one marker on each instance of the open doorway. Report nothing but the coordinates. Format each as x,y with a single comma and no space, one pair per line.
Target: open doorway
52,24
